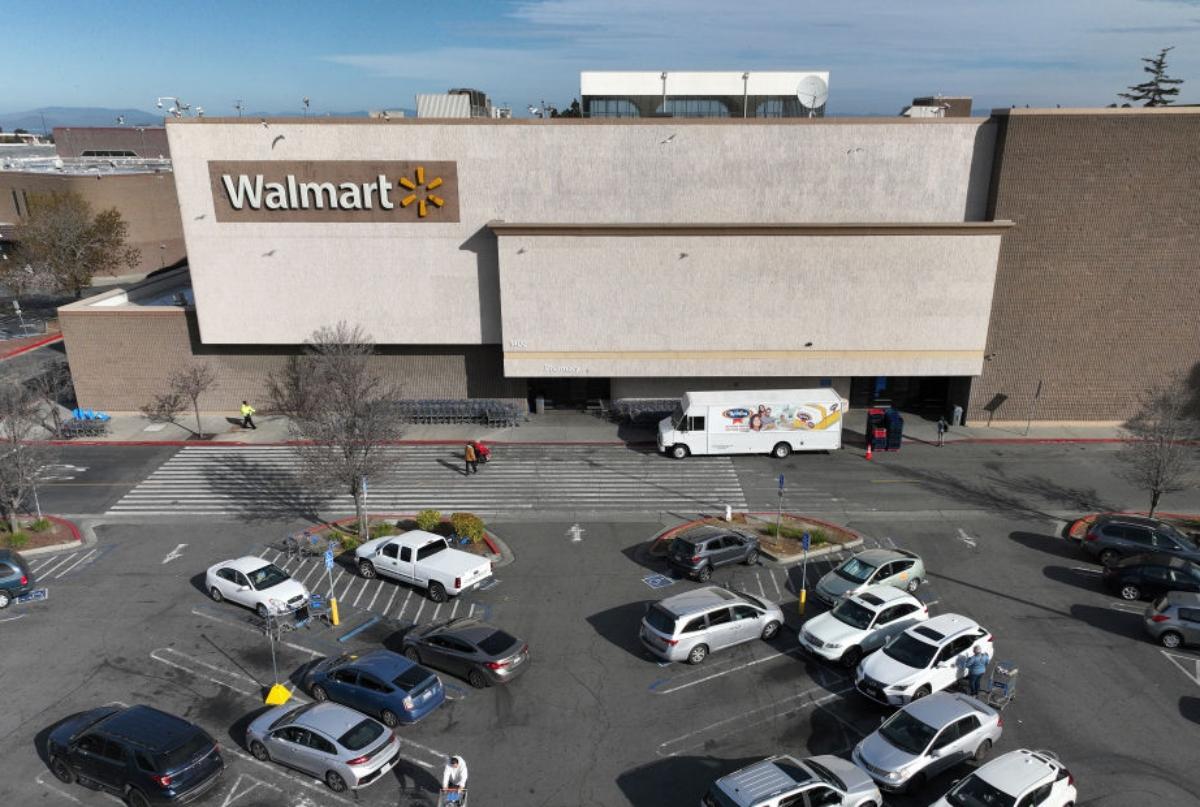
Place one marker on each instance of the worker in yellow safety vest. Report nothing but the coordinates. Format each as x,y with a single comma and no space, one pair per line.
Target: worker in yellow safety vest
247,420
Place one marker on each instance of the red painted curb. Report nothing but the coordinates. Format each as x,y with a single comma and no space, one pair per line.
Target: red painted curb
70,525
486,538
33,346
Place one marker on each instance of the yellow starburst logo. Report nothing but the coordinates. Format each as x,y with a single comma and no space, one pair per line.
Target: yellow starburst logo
420,186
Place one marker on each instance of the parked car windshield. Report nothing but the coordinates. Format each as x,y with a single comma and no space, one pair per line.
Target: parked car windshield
196,745
267,576
911,651
497,643
362,735
661,619
853,614
974,792
826,774
855,571
907,733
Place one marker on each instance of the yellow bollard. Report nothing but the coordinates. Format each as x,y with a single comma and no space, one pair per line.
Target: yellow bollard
803,598
333,610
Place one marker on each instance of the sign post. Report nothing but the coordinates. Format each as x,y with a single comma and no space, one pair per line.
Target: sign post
779,515
806,541
333,610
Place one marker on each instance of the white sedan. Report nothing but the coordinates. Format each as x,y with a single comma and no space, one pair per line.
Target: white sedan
861,623
256,584
928,657
1025,778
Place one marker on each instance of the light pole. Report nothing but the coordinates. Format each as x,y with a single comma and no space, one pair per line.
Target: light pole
306,106
745,93
238,106
663,76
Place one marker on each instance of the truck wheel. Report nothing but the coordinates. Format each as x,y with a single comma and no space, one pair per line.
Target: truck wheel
781,450
679,452
366,568
437,592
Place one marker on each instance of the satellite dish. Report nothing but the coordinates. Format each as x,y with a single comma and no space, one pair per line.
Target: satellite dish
812,91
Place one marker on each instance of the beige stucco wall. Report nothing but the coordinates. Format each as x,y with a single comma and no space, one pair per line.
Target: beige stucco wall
437,283
746,305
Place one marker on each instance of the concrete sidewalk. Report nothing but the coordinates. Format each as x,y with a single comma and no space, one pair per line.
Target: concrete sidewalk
567,428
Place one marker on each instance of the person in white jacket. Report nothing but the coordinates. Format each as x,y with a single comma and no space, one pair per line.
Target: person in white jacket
454,776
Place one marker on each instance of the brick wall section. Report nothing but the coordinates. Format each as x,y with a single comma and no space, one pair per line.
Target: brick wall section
1097,288
147,202
120,359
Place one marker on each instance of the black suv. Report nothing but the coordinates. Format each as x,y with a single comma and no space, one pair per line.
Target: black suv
1115,536
1147,576
702,549
136,753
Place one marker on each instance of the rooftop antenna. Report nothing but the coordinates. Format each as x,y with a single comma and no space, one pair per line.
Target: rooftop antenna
238,106
306,106
813,92
120,120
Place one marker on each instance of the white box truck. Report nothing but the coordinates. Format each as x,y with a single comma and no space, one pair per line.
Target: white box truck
775,422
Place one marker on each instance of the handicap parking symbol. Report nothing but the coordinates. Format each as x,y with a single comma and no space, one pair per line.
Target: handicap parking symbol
37,595
658,581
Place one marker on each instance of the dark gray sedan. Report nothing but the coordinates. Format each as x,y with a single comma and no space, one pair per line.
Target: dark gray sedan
469,648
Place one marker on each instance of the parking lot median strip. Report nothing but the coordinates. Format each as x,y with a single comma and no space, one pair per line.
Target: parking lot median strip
350,634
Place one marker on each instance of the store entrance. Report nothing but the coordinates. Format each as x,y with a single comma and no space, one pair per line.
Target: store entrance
927,396
567,393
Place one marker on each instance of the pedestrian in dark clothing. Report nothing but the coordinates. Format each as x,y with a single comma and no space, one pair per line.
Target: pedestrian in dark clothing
472,463
977,665
247,419
942,426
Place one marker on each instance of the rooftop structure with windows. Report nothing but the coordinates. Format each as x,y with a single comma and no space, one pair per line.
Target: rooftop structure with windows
725,94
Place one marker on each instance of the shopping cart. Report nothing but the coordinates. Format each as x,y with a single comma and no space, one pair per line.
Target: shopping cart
1003,685
452,798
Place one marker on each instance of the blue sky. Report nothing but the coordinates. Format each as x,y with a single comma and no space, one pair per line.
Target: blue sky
361,55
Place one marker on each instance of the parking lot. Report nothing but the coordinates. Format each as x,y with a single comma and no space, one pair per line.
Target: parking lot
595,720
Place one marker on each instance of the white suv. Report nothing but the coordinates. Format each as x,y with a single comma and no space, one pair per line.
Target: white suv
861,623
1022,778
925,658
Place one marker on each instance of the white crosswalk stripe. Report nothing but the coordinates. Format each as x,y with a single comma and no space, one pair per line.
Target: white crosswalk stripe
232,480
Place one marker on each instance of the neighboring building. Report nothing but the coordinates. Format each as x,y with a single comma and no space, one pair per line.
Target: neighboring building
457,103
735,94
933,263
143,191
952,106
146,142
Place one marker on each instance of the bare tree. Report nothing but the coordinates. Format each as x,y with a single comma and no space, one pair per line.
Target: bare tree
341,409
1158,457
60,239
165,408
190,383
21,459
56,392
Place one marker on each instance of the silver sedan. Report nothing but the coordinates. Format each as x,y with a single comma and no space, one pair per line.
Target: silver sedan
345,749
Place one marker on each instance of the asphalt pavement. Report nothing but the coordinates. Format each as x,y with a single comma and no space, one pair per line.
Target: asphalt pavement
595,720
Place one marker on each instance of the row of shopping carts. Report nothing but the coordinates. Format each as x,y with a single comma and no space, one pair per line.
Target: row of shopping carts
492,413
642,410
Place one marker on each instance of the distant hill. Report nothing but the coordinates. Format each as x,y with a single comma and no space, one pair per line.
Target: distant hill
32,120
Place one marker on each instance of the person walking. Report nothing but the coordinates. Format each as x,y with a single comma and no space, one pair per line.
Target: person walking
247,416
472,462
942,425
454,779
977,664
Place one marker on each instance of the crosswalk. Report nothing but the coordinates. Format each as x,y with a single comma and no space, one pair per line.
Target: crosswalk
202,480
379,596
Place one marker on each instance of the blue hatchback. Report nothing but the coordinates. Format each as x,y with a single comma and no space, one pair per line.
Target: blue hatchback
380,683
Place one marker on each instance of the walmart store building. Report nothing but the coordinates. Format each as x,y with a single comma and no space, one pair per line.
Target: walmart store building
932,262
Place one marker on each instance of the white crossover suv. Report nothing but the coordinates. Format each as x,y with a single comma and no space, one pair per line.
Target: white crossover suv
861,623
925,658
1025,778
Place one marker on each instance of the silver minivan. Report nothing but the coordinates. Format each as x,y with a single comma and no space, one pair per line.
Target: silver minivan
689,626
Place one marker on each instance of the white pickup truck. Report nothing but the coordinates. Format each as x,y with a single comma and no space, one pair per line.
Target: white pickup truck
424,560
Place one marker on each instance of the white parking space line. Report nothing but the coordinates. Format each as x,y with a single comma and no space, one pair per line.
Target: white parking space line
761,591
280,771
40,562
57,565
404,605
54,789
249,629
419,610
433,617
76,563
361,591
1085,570
308,574
378,589
775,582
454,610
472,611
665,749
274,555
333,586
160,657
349,583
711,676
440,756
1125,607
234,793
388,607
